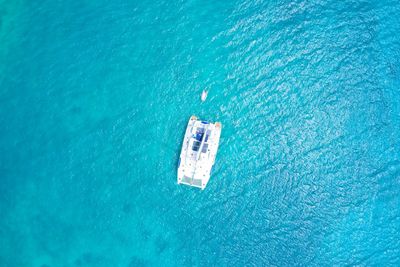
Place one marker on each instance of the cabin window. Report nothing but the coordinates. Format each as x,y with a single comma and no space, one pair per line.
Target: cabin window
204,148
196,146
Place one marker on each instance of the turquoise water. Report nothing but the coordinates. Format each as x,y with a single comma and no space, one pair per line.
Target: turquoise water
95,97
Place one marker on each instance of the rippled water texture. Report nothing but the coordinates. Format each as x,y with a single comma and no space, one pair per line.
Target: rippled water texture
95,96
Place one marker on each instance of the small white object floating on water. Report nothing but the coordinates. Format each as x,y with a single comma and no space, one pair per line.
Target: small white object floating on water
199,149
204,95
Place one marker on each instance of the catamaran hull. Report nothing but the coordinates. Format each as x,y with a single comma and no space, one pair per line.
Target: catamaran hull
199,150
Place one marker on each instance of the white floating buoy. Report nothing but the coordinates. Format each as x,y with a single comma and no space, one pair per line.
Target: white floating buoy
204,95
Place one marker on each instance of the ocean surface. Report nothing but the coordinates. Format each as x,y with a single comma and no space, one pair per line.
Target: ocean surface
95,96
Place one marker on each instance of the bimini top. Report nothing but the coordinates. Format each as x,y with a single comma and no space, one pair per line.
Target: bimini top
199,149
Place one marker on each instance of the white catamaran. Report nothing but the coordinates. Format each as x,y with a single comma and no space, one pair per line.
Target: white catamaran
199,149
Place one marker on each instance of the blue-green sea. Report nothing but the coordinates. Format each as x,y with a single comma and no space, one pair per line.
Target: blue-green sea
95,96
